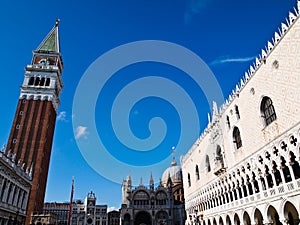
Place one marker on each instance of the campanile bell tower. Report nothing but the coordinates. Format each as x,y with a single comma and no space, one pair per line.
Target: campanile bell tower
31,135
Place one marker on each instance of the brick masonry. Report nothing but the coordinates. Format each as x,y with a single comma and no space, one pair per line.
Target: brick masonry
31,140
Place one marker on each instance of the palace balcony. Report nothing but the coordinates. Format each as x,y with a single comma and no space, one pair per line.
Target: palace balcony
219,167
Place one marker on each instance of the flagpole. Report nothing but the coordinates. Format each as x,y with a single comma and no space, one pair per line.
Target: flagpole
71,201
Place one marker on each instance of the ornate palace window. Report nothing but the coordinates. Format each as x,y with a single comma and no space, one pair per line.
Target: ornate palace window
267,110
189,179
237,138
237,112
228,122
219,155
197,173
207,164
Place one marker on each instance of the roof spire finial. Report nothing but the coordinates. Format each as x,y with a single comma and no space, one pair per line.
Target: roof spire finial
173,157
57,22
151,182
151,179
51,41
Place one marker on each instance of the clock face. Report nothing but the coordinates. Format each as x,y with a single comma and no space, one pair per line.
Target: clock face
44,62
91,202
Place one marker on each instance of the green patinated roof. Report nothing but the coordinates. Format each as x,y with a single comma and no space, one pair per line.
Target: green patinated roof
51,41
49,44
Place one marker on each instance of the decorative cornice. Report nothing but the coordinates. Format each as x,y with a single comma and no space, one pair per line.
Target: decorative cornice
261,59
23,176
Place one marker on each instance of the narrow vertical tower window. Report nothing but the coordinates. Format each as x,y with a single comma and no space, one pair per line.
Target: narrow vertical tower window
35,117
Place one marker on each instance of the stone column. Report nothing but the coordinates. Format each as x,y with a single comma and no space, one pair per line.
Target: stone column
282,176
20,199
12,192
291,172
15,203
25,201
1,185
273,178
266,182
259,182
4,197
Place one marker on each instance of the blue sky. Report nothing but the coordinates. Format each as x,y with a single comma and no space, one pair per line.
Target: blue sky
226,35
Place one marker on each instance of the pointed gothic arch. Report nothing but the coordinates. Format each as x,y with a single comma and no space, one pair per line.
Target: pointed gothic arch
236,220
273,216
214,221
258,218
295,165
228,220
246,219
291,214
221,221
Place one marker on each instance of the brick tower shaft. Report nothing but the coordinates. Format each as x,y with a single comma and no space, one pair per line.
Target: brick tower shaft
32,131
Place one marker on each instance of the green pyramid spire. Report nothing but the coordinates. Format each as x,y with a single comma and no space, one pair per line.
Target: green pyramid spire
51,41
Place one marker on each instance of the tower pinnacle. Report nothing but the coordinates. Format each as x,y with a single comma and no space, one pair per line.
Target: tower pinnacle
50,44
31,135
174,163
151,182
57,22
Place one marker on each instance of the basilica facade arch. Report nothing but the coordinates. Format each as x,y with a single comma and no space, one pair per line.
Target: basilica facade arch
154,205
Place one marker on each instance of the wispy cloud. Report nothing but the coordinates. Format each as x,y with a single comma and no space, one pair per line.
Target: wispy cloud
193,8
81,131
228,59
62,116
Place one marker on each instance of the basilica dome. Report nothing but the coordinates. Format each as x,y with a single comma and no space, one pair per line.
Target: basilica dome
175,173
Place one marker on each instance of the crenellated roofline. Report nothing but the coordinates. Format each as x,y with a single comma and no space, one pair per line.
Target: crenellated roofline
258,62
262,58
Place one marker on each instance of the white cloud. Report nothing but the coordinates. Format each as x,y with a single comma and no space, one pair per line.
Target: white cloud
62,116
222,60
81,131
112,208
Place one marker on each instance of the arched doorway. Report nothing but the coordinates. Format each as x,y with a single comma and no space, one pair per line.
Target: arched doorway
291,214
258,218
237,220
273,216
246,219
142,218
